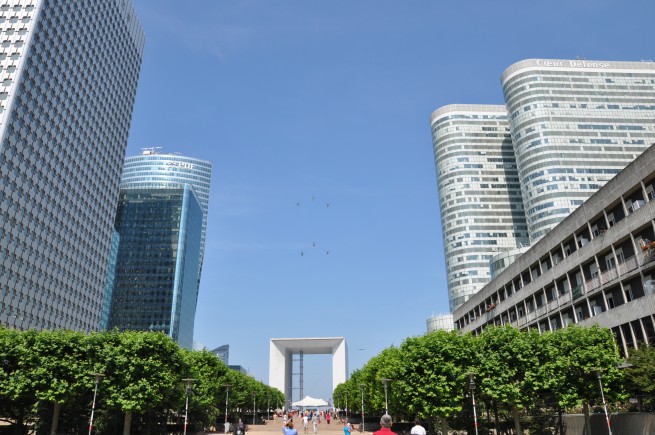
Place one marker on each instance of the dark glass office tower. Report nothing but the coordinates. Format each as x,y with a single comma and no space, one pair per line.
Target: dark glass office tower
156,273
69,72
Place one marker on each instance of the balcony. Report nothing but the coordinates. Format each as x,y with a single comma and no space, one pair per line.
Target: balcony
592,283
628,265
577,292
608,275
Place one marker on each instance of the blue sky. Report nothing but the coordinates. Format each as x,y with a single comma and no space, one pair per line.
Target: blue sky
301,104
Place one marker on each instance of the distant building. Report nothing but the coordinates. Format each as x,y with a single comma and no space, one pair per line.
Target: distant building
239,369
223,353
156,272
70,71
440,322
597,266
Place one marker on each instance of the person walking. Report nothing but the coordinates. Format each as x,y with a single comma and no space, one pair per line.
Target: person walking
305,423
418,429
385,426
315,422
327,418
347,428
288,429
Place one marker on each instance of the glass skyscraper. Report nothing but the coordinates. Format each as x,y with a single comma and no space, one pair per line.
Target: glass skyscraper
479,193
69,72
157,265
154,170
575,124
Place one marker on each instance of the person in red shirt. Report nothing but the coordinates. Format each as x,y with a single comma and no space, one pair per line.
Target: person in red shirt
385,426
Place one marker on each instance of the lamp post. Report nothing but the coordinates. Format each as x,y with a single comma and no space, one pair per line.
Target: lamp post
268,406
361,386
346,404
187,381
471,376
227,395
98,376
254,405
386,402
602,395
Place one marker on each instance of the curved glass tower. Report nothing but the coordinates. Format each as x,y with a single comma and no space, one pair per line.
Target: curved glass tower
575,124
479,193
152,170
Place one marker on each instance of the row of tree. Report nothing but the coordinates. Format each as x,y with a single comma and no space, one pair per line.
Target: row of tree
520,378
47,383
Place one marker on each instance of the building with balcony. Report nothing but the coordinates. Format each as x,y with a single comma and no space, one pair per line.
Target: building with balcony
597,266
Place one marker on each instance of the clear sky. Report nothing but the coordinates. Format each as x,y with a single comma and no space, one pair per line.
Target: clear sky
323,216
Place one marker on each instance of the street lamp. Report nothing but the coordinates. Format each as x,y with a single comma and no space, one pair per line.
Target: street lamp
471,376
361,386
602,395
98,376
187,381
346,404
227,395
254,405
386,403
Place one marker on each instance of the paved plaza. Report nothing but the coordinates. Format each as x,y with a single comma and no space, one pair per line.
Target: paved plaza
275,426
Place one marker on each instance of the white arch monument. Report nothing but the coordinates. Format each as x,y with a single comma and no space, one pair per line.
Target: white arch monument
281,360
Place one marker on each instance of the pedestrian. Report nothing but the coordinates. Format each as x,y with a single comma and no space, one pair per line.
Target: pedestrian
305,423
327,418
239,429
347,428
288,429
385,426
315,422
418,429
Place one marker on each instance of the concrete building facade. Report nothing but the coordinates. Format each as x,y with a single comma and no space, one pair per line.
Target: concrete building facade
69,71
597,266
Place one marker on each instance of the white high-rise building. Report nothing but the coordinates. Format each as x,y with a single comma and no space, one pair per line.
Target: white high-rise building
575,124
479,193
69,73
569,127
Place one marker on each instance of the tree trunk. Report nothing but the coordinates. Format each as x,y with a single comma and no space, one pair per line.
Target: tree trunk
587,419
444,426
561,420
55,418
496,422
517,422
127,423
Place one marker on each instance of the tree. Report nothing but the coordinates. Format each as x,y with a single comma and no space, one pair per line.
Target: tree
641,373
142,374
16,400
573,355
209,372
508,364
432,374
56,368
